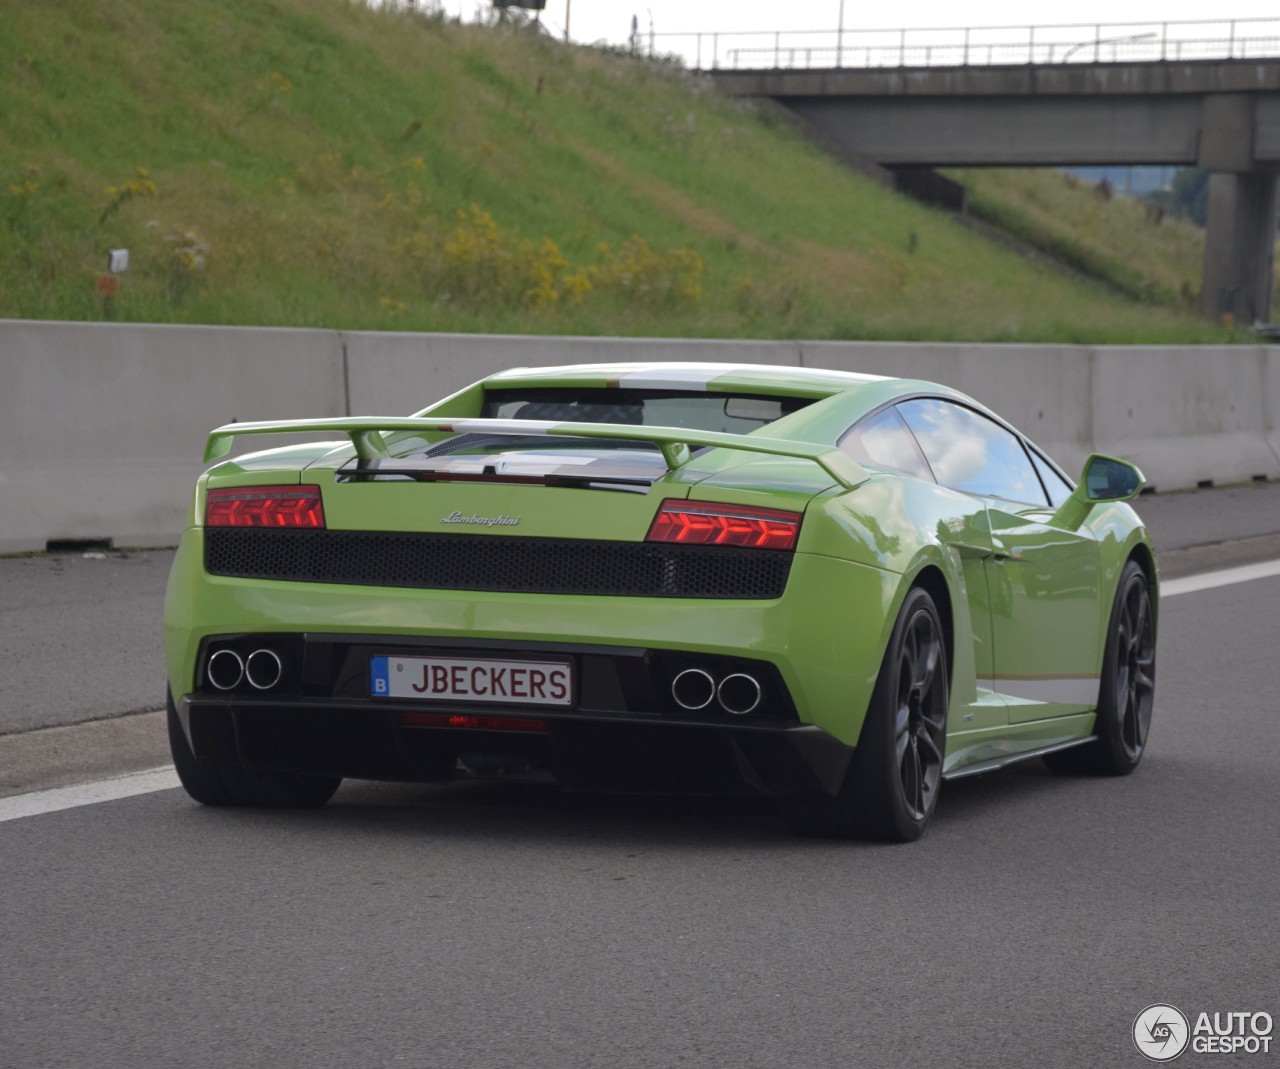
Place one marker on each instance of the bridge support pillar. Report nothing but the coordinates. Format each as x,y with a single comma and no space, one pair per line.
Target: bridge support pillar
1239,251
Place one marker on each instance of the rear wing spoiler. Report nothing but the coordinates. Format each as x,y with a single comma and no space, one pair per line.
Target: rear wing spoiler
366,436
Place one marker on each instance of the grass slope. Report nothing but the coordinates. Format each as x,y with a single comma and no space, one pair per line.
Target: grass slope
318,163
1119,240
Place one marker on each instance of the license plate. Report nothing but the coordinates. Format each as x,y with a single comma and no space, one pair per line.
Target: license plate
464,679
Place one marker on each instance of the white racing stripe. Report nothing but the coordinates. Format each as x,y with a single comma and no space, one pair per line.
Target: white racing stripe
686,377
163,779
103,790
1067,691
502,426
1246,573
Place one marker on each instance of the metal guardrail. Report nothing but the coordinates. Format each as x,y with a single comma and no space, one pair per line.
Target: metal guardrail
986,46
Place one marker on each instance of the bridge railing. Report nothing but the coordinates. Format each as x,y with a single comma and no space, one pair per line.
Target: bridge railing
985,46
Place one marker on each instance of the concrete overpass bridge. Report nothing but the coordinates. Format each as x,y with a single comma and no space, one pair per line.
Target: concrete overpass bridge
1033,97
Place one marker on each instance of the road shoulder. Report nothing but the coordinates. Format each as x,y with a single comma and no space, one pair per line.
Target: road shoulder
1177,563
62,756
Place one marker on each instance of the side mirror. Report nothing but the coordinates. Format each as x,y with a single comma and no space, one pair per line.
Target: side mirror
1108,479
1104,479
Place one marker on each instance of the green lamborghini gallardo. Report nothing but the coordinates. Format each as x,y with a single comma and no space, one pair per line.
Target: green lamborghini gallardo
836,589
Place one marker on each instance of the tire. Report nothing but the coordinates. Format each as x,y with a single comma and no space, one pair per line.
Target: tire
1126,693
231,784
892,785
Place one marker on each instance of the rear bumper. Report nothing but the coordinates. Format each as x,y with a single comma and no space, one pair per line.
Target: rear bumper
824,637
368,739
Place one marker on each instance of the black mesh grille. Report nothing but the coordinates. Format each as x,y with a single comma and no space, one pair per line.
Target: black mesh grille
483,562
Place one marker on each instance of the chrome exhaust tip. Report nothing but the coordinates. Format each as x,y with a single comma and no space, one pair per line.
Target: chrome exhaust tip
739,693
693,689
225,669
263,669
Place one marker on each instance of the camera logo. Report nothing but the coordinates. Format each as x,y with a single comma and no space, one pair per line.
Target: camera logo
1161,1032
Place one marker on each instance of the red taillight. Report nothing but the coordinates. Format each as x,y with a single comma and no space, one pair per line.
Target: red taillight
474,723
698,523
264,506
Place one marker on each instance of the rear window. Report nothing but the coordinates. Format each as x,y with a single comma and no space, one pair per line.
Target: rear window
726,412
883,440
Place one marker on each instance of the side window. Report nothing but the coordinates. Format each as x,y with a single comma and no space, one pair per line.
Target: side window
1058,487
883,441
971,453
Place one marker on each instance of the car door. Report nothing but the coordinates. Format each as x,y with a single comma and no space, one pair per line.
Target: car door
1042,580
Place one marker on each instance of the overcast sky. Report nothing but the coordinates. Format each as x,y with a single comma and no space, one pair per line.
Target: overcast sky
610,20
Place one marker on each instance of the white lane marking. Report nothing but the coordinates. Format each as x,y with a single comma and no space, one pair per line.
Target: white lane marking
1209,580
103,790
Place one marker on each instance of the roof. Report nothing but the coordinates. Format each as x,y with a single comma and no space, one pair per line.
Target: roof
711,377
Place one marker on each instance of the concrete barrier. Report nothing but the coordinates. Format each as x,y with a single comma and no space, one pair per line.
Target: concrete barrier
102,426
1186,416
1271,396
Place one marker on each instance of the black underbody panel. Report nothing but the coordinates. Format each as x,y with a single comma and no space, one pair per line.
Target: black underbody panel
624,732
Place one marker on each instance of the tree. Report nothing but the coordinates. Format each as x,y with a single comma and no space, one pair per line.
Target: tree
1187,197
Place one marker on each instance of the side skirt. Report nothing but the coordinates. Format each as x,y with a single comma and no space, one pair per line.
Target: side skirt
1009,759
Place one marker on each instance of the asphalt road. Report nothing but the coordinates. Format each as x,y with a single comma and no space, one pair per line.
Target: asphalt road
1205,517
80,636
485,926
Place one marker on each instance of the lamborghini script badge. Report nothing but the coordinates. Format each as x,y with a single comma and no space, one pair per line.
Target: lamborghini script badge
481,521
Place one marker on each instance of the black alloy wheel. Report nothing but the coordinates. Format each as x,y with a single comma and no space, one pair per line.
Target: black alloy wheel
1127,688
228,783
920,721
1134,656
894,779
